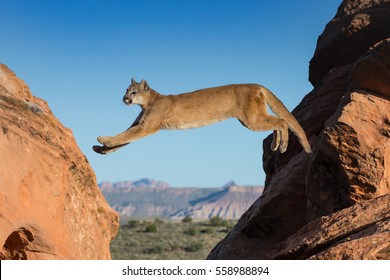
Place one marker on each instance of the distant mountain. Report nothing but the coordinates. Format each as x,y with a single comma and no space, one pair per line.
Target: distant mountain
126,186
147,198
229,203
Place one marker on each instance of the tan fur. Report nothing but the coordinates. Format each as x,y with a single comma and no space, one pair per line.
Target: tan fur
245,102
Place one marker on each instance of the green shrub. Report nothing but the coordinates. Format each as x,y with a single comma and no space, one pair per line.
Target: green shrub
215,221
151,228
193,231
157,249
194,247
225,223
209,230
187,219
175,246
229,227
133,223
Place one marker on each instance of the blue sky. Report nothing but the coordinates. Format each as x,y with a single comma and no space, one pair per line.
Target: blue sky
80,56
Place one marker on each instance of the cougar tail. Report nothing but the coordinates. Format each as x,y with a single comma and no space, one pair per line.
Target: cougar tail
281,111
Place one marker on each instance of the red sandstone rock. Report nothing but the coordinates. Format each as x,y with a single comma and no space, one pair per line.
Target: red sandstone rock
351,160
359,232
356,27
372,70
50,205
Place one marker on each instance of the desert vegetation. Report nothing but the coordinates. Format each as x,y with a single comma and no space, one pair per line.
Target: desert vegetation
165,239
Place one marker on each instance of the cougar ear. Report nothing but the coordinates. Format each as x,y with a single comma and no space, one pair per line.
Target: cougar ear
133,81
144,84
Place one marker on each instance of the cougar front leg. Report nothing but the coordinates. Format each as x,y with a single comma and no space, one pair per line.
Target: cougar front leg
130,135
106,150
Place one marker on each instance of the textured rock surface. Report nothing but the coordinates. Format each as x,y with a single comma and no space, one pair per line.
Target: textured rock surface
357,25
372,71
50,205
351,161
359,232
347,120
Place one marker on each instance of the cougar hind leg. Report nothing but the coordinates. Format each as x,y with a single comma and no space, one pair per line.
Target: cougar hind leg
275,140
284,138
126,137
268,122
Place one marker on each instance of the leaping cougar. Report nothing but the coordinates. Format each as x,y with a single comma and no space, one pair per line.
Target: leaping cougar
245,102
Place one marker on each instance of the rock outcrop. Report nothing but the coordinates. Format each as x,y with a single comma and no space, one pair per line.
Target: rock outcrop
357,26
50,205
358,232
347,120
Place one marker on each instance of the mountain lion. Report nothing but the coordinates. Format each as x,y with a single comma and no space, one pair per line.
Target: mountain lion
245,102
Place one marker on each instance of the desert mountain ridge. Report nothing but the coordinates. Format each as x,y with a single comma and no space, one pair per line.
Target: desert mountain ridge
147,198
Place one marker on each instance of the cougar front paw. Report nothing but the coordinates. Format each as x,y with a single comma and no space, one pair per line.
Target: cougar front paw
100,149
101,139
106,141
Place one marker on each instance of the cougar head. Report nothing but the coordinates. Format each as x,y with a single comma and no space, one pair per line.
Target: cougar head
137,93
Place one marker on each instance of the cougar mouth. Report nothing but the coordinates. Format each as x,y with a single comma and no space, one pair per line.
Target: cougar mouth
127,101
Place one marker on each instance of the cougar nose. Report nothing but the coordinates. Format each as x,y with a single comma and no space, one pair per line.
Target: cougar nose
126,100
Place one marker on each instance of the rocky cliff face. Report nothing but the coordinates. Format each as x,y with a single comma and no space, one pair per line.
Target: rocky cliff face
311,201
358,232
356,27
50,205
